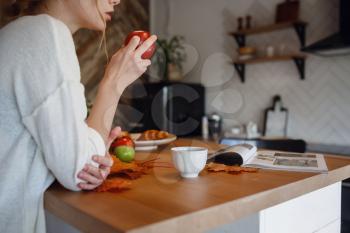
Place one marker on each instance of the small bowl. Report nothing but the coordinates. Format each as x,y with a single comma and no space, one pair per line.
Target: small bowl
189,161
246,50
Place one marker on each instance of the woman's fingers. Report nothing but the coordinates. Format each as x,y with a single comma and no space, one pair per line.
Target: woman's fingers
106,161
133,43
145,63
145,45
115,132
113,135
104,171
93,171
85,186
90,178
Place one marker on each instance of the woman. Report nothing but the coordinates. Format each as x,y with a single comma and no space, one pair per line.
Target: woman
43,129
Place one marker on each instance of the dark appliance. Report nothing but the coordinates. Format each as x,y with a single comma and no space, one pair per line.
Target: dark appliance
338,43
172,106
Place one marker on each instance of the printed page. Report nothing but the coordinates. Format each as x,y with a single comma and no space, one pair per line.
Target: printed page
307,162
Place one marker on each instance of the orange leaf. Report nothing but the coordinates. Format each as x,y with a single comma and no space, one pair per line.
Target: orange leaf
113,185
132,170
132,175
249,169
119,166
217,167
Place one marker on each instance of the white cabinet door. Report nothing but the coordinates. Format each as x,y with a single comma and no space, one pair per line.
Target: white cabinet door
306,214
331,228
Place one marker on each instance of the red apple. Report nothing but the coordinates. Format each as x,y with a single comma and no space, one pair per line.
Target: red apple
143,36
123,141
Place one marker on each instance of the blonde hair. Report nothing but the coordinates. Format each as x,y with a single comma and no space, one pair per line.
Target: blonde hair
103,39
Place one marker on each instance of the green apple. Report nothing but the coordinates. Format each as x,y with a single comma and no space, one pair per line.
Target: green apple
125,153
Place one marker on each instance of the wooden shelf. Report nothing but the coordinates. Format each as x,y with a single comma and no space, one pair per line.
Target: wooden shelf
298,25
299,60
271,59
268,28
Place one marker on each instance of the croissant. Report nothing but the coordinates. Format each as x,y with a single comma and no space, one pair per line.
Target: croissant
153,135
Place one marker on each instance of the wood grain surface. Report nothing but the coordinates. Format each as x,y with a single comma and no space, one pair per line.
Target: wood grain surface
164,202
268,28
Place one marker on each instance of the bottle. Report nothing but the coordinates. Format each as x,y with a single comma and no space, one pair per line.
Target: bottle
214,125
205,128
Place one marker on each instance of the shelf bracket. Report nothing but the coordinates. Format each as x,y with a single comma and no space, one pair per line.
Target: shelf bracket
240,39
240,68
300,63
300,30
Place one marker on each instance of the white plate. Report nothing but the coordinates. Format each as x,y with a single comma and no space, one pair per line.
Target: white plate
147,145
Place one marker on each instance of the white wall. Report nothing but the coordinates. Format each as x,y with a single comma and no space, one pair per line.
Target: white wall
319,106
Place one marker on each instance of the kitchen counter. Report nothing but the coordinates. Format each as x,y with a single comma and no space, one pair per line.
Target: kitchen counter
163,202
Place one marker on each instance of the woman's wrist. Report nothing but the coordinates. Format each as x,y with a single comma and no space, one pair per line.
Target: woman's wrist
112,87
103,111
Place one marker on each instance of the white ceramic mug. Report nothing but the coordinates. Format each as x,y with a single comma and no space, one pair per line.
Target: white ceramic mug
189,161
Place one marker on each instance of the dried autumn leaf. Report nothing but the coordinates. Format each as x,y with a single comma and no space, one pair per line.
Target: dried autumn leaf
113,185
249,169
119,166
217,167
234,169
132,175
117,181
132,170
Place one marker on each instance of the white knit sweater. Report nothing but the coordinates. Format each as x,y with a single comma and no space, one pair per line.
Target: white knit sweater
43,134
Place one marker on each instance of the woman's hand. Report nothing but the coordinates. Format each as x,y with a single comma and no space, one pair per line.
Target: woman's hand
93,176
126,65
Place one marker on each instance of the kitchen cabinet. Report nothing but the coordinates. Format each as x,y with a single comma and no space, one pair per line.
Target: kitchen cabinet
318,211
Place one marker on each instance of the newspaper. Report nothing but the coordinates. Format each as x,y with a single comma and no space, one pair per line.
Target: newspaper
303,162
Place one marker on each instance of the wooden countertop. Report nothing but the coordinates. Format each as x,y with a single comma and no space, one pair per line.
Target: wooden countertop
163,202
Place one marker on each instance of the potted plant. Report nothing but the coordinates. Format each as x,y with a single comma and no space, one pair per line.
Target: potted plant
170,57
